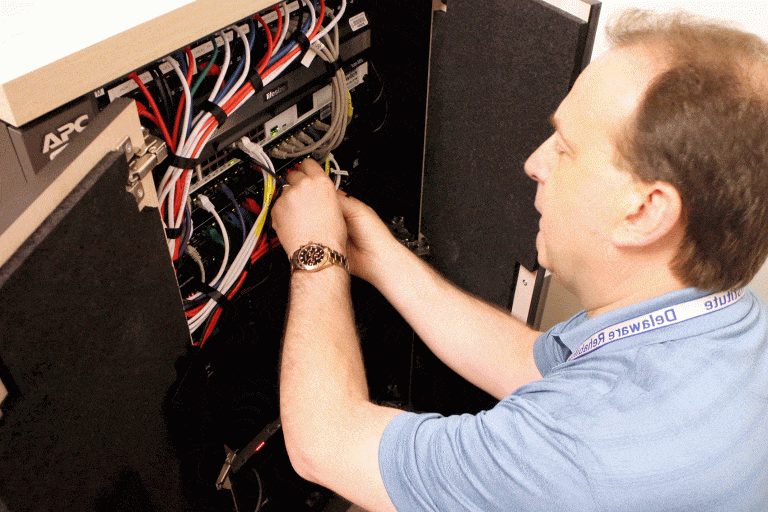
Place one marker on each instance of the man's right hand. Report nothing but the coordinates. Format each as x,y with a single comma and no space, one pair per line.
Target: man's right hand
369,242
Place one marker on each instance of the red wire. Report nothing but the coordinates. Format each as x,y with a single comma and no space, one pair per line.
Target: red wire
145,113
156,110
236,100
296,50
270,41
247,89
217,314
261,249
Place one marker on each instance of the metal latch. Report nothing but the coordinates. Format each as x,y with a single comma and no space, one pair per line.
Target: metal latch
419,245
149,156
223,481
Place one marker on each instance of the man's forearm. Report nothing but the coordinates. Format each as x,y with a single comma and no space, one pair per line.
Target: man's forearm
482,343
321,358
330,427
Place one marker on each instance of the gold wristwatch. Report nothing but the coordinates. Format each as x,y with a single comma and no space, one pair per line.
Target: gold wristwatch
313,257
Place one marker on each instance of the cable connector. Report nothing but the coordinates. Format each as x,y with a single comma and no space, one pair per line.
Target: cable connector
206,203
252,149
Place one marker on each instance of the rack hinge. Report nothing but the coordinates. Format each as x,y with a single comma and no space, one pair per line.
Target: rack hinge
144,160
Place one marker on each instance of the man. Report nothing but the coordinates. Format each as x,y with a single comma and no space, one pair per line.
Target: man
653,193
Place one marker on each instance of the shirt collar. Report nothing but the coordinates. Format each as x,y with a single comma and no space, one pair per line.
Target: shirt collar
580,328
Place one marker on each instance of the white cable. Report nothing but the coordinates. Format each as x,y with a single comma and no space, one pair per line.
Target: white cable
198,138
238,264
195,255
286,22
224,66
246,67
334,22
187,98
208,206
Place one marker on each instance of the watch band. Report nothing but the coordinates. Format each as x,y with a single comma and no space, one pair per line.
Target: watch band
313,257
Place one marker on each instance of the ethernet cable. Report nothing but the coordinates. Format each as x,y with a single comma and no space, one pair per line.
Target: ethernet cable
195,255
340,106
203,127
238,264
208,206
283,19
205,124
336,169
169,185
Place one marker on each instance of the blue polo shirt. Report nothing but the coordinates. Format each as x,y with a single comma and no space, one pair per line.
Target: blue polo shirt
673,418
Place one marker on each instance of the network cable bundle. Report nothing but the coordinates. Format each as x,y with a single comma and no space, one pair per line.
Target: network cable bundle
204,101
237,111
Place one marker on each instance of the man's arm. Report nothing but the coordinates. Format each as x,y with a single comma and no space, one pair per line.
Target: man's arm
483,344
332,430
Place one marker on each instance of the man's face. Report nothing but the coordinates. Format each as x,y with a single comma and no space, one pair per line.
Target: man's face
581,195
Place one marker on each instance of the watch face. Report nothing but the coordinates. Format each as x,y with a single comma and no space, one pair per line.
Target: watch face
311,256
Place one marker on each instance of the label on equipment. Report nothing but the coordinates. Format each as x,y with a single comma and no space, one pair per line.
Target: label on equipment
358,21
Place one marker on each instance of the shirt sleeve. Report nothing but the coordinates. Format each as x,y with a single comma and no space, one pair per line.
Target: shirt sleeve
512,457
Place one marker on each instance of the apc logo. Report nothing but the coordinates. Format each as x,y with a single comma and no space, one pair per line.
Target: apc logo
55,142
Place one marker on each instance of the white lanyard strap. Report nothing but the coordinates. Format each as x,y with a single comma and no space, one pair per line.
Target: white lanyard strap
658,319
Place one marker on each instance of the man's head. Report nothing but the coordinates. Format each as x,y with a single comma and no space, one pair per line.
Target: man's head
702,126
680,172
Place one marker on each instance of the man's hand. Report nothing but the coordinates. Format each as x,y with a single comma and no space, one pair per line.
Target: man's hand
369,240
309,211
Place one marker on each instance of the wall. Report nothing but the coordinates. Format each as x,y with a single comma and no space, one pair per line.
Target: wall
750,15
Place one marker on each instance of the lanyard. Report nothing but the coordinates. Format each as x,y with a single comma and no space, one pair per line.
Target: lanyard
659,318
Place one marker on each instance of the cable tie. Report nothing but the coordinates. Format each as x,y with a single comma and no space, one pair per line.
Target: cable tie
332,67
211,292
256,81
215,110
181,162
173,233
304,44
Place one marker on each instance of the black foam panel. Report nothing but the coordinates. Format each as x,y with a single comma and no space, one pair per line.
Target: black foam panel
90,327
499,70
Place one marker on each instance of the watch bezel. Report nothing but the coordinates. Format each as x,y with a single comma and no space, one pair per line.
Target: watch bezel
304,249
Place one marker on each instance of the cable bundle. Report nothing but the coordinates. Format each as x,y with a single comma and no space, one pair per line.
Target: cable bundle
302,144
232,89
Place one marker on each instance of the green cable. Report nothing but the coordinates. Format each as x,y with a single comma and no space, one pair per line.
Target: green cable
206,70
202,75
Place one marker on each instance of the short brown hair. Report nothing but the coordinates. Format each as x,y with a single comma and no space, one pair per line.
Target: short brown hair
702,125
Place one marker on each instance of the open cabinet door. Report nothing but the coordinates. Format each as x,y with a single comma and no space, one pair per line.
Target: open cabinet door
498,70
90,328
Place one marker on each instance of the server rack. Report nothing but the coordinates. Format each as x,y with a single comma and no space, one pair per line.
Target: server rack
109,403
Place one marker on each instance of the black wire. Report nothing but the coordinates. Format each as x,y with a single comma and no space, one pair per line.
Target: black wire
165,93
295,35
242,155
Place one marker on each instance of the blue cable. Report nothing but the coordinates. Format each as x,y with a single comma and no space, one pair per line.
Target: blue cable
239,212
312,133
186,224
182,60
233,78
281,53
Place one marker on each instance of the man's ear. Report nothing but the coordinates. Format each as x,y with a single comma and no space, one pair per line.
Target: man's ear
653,211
